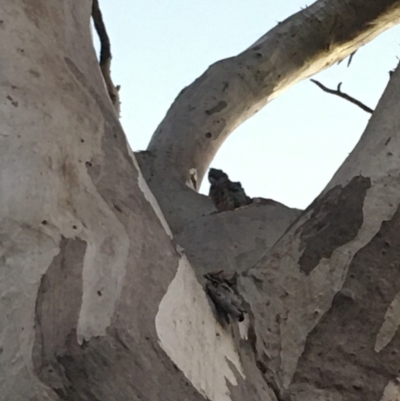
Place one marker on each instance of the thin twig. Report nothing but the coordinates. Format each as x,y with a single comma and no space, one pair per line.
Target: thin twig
105,55
339,93
351,58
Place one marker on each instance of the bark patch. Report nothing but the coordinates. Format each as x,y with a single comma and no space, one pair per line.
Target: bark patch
339,355
57,310
218,108
336,218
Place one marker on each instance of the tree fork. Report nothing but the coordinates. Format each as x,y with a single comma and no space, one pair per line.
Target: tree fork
98,302
232,90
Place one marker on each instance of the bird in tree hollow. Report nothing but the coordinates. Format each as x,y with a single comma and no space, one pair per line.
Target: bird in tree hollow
225,194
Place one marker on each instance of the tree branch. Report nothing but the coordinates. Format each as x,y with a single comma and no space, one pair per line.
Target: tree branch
234,89
351,58
105,55
343,95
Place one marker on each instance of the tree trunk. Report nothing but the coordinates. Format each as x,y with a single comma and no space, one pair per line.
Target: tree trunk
101,300
328,290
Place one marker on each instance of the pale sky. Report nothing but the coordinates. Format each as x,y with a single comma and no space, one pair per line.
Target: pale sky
292,147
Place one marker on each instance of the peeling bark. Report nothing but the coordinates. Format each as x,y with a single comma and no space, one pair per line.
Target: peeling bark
352,365
98,299
325,303
335,220
86,255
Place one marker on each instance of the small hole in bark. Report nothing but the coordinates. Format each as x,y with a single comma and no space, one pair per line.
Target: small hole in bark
44,222
117,208
258,55
74,227
208,135
88,164
82,140
99,293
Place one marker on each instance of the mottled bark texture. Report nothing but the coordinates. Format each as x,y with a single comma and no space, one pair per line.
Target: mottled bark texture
328,290
101,301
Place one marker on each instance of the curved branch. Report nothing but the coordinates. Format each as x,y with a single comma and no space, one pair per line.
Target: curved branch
343,95
234,89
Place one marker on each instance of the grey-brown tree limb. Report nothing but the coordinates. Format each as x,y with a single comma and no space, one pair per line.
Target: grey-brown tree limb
338,92
101,288
306,43
105,55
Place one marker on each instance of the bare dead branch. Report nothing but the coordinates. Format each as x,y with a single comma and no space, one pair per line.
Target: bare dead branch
105,55
345,96
351,58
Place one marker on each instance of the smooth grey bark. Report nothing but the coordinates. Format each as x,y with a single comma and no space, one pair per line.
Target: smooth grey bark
100,301
328,290
85,254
